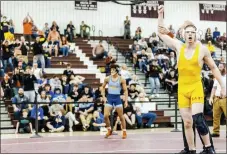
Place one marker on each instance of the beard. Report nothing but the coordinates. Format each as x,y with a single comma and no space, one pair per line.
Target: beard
223,72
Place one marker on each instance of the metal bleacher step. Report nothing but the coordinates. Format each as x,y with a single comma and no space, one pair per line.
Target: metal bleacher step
9,130
5,123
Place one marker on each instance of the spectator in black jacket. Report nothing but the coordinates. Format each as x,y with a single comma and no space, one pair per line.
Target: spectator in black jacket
29,86
39,52
130,117
68,72
7,55
7,87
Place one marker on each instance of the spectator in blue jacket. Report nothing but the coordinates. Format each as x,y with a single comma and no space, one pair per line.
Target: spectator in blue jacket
41,122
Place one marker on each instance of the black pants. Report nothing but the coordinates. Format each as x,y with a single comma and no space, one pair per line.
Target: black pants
41,124
28,37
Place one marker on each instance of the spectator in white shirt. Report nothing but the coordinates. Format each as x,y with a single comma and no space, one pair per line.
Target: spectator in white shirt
143,43
55,83
125,73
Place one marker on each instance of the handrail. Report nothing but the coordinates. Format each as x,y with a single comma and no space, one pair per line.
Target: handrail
100,33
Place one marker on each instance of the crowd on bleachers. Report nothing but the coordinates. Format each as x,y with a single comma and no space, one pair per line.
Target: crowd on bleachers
25,81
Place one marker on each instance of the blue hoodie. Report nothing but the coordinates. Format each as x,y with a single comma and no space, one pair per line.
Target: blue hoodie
40,113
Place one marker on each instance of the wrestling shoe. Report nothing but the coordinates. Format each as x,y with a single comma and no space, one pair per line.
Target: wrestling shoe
124,135
208,150
109,133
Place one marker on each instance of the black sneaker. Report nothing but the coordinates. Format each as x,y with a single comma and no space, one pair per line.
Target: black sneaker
215,135
208,150
186,151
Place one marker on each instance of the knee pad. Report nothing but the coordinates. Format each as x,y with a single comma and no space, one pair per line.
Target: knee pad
200,124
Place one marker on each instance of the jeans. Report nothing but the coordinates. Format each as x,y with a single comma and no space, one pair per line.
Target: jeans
47,63
8,62
155,84
141,65
34,35
147,116
65,51
39,57
11,30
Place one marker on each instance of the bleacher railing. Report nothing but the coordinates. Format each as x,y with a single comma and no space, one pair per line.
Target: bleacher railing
93,30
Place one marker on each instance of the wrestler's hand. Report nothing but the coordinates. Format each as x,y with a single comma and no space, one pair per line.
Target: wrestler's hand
125,104
211,101
160,9
223,92
163,30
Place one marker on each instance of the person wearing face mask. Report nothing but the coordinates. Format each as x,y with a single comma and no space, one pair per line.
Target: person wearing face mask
219,104
20,102
191,57
115,84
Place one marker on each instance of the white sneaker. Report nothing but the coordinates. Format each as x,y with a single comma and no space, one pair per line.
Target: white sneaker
76,122
70,130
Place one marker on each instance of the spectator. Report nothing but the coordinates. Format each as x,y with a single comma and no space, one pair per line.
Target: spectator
7,54
171,29
39,52
211,49
37,71
20,102
68,71
69,35
171,82
99,106
85,111
11,26
153,71
222,41
132,92
41,121
75,93
24,124
27,24
127,24
76,79
143,113
44,101
153,41
2,73
125,74
88,92
54,41
109,60
138,34
216,34
17,80
71,28
97,121
130,116
22,50
55,83
64,46
58,95
58,123
46,30
98,52
142,59
29,86
142,42
208,35
5,24
172,60
65,85
7,86
47,89
54,25
84,30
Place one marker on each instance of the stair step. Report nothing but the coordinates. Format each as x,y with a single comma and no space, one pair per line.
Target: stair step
5,123
10,130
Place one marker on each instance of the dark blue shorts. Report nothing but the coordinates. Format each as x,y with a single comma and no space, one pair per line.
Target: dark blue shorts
114,100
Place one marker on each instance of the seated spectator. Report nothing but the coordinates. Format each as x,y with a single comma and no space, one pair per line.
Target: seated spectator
135,53
47,57
211,49
216,34
109,60
22,49
208,35
153,72
44,101
137,34
76,79
85,30
171,82
41,121
37,71
64,46
97,121
54,41
142,59
5,24
98,52
46,30
85,111
58,122
222,41
132,92
142,42
7,86
7,54
69,35
55,83
24,124
2,73
68,71
125,74
49,92
20,102
153,41
143,113
75,93
172,60
87,92
71,28
98,93
130,116
58,95
65,85
99,106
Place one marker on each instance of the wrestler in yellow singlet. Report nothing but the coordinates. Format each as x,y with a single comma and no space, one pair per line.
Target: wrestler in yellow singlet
190,87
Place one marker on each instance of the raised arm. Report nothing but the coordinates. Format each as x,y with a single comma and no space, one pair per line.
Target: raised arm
163,32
